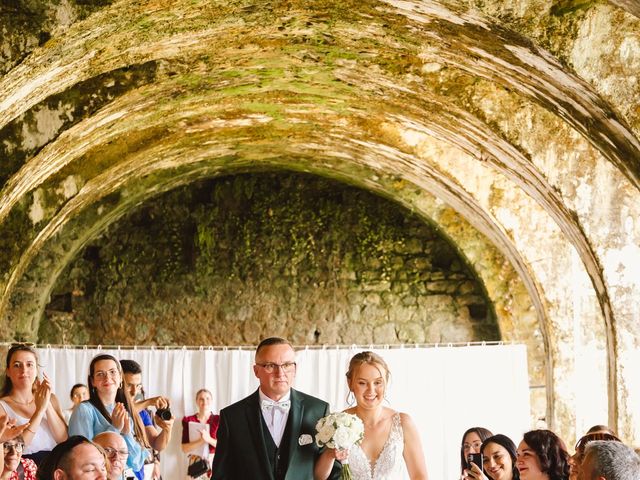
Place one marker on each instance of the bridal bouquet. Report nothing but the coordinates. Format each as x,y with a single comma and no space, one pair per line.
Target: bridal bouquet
340,431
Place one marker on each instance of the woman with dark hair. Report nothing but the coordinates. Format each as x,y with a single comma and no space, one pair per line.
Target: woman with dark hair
78,394
498,458
471,442
31,401
542,455
109,408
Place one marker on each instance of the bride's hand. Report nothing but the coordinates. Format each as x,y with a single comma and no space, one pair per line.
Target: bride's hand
341,455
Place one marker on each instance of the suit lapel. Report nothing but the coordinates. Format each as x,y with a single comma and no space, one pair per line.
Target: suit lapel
296,412
254,420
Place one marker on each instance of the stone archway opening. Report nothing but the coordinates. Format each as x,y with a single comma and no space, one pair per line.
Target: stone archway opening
225,261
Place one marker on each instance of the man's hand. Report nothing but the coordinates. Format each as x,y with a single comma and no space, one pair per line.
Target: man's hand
165,425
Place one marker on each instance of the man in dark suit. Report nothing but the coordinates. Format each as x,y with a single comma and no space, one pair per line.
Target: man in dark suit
270,434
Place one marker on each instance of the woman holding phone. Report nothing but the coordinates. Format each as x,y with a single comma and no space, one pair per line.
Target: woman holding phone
109,409
471,442
31,402
498,454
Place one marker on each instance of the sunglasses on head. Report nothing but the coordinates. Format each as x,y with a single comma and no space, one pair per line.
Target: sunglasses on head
590,437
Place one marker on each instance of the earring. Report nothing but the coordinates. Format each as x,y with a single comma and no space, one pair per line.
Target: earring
349,399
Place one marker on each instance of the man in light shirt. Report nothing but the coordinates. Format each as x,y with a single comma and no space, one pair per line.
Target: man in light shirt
270,434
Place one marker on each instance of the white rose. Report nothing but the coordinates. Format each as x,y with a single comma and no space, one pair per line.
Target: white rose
324,435
342,438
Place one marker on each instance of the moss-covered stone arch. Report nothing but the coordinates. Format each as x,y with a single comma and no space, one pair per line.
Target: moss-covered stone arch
286,57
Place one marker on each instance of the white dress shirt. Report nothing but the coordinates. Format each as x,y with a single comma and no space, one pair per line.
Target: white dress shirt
275,418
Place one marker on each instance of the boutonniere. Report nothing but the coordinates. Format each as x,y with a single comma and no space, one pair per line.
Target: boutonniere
304,439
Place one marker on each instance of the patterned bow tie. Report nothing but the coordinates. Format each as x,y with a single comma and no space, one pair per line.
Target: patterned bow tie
282,406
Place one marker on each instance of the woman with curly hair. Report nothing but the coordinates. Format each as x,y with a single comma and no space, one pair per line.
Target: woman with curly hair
542,455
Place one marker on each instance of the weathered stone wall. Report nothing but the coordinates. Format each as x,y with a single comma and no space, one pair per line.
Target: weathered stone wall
512,126
230,260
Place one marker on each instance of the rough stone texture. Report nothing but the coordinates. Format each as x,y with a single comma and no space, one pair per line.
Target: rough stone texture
250,252
512,127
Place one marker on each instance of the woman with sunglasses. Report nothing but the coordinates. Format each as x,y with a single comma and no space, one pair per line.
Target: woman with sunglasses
575,460
16,467
31,402
109,409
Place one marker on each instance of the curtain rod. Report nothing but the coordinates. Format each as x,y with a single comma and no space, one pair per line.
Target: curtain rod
354,346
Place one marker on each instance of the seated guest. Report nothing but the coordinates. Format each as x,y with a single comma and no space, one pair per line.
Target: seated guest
16,467
576,459
74,459
606,460
29,400
542,455
471,442
117,453
109,408
79,393
499,460
601,429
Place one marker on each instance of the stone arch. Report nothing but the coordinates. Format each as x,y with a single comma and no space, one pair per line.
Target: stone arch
424,109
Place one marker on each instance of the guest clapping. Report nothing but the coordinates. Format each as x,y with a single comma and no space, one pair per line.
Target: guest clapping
29,400
109,408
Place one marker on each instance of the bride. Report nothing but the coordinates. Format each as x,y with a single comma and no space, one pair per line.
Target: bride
391,439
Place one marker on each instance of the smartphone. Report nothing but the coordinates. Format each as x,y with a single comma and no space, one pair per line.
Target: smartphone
475,458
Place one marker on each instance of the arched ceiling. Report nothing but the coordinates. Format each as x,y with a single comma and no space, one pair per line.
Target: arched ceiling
479,119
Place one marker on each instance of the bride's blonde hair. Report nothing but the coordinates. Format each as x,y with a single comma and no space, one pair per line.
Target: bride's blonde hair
370,358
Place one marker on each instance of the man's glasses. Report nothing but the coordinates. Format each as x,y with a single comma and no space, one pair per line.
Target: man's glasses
18,447
114,452
287,367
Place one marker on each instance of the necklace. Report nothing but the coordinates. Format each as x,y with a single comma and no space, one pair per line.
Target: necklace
21,403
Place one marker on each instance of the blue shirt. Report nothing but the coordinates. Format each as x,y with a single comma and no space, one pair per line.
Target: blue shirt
88,421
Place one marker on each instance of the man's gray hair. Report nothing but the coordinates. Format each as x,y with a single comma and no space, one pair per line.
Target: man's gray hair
613,460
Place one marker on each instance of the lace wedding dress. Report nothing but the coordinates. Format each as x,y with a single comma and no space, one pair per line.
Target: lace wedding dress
389,465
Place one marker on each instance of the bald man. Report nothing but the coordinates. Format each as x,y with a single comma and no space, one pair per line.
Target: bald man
117,453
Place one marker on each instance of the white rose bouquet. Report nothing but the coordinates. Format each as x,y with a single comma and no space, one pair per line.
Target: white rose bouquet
340,431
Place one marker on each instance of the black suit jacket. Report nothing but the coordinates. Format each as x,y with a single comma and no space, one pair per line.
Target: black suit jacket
241,453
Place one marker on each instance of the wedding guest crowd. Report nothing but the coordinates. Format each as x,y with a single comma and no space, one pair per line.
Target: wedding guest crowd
271,434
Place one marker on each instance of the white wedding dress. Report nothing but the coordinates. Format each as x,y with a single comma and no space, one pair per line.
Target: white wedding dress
389,465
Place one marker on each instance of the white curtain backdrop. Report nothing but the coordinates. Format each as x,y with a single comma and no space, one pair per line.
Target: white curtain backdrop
445,389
